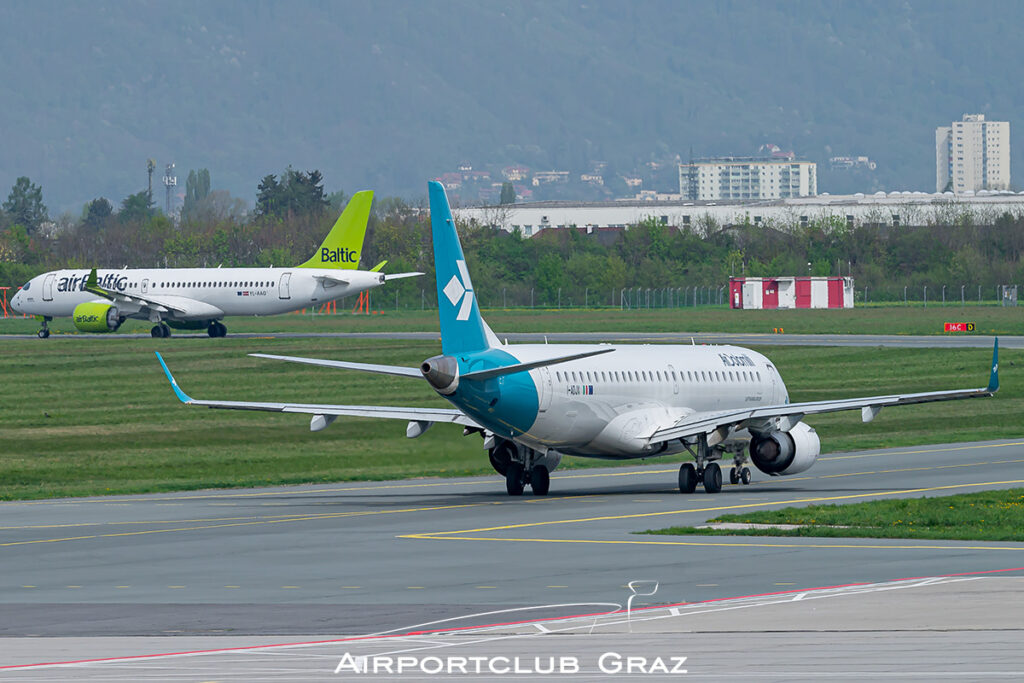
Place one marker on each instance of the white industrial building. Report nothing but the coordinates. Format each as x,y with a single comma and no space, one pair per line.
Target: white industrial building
972,154
894,208
747,178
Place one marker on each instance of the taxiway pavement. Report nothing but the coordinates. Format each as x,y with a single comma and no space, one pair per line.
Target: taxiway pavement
738,338
369,557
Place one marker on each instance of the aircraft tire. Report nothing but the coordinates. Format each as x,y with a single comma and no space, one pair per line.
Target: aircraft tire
222,329
43,334
212,330
499,458
712,478
687,478
157,331
515,479
540,480
734,475
165,329
745,475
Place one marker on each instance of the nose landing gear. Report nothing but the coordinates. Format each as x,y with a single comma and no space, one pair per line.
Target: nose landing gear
44,331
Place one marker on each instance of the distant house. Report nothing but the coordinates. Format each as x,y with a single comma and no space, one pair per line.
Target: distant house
451,181
548,177
633,181
592,178
515,173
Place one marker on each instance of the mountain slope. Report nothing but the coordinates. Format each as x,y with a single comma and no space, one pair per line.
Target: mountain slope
387,94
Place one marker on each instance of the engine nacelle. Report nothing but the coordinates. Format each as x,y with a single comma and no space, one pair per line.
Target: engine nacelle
94,316
785,453
442,373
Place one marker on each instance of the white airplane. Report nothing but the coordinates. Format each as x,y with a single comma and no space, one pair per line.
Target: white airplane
198,298
534,403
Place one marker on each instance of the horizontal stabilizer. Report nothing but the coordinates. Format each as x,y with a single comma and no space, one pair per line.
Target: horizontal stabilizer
398,370
327,411
523,367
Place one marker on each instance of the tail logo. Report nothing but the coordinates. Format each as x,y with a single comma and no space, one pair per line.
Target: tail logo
460,289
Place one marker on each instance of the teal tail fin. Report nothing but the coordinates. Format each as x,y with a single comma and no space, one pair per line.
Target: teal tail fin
462,328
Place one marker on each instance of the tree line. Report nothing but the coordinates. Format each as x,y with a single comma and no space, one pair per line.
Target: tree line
558,266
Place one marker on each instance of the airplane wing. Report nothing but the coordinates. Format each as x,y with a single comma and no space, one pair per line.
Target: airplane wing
783,417
176,304
450,415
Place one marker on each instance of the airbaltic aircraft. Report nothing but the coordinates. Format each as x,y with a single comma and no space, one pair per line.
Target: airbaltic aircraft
533,403
197,298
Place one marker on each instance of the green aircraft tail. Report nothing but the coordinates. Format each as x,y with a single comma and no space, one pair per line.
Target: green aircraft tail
344,243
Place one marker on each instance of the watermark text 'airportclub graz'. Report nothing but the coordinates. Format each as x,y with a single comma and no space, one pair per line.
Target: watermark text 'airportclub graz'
609,663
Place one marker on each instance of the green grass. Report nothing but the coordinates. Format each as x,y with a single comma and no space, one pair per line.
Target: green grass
94,415
984,516
862,320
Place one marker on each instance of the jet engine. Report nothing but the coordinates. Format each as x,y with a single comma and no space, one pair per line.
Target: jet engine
785,453
442,373
94,316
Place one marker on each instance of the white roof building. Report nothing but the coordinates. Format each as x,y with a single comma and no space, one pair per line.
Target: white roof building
894,208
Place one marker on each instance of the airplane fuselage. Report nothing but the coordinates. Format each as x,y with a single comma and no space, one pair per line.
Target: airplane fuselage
200,293
605,406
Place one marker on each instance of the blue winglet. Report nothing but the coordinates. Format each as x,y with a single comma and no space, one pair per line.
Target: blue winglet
182,396
993,379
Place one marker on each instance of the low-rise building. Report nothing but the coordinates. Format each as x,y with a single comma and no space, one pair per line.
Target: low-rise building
892,209
790,292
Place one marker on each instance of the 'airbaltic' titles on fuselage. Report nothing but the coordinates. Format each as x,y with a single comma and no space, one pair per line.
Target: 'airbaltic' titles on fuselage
339,255
114,281
731,360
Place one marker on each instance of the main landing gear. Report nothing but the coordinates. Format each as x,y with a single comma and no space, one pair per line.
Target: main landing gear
516,479
519,466
44,331
707,472
216,329
161,330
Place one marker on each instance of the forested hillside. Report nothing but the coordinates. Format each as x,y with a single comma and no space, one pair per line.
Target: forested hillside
385,95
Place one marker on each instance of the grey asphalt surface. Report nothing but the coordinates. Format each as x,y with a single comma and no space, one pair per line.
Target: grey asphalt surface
368,557
741,339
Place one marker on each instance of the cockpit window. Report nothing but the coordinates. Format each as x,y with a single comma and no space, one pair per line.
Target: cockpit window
27,285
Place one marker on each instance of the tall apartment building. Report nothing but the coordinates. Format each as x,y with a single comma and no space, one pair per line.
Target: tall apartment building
972,154
731,178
